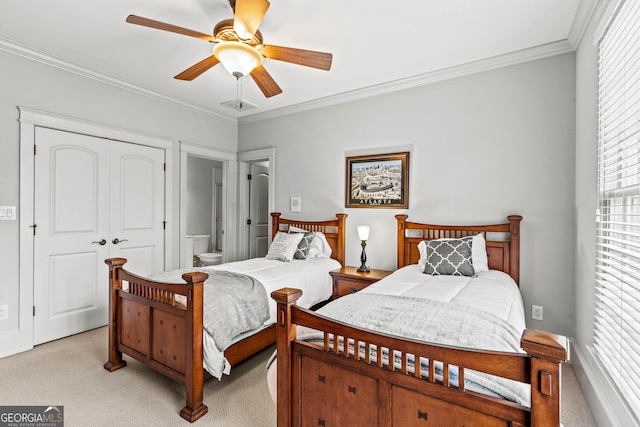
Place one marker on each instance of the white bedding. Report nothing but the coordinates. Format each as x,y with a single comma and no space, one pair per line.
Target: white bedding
493,292
310,275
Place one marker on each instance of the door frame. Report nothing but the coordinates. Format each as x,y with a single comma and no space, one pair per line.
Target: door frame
20,338
228,161
245,159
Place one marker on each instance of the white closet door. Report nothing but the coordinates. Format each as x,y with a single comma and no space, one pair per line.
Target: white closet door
89,192
137,207
71,214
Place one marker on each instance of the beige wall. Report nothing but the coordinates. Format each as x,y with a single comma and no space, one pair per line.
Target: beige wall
482,147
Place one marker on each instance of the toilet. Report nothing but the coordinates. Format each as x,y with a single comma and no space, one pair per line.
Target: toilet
210,258
198,244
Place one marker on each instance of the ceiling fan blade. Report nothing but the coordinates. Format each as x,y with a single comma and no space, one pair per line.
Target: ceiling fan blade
146,22
197,69
248,16
265,82
308,58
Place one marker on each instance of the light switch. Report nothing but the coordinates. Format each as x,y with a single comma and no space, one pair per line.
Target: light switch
7,213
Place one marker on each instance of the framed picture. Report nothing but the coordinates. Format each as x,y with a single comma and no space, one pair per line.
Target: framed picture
378,181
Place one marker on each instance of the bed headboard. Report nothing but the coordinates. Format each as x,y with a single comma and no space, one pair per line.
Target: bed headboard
503,241
333,230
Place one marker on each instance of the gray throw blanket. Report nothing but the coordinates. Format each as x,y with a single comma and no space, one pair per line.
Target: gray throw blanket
426,320
233,303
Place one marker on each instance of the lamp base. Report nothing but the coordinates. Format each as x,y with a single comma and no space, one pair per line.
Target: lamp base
363,269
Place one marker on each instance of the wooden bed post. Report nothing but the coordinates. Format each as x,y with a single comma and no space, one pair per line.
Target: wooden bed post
115,357
342,238
402,219
514,247
194,375
547,352
275,223
285,333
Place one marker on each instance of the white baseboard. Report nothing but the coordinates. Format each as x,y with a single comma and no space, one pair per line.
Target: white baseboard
607,406
13,342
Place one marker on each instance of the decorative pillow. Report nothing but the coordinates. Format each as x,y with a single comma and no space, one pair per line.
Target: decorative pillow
451,257
479,254
284,246
305,244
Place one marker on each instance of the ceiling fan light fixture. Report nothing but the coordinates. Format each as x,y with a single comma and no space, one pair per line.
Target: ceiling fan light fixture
238,58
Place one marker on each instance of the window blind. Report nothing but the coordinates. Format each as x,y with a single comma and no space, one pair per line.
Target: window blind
617,287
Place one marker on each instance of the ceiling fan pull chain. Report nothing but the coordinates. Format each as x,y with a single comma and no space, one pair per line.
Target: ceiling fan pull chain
239,92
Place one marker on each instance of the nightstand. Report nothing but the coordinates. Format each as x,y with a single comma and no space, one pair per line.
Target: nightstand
348,280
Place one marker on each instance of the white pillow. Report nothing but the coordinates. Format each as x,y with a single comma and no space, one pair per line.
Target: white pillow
422,248
478,254
284,246
319,247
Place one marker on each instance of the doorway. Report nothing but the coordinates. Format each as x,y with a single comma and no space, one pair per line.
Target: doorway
264,158
204,222
219,169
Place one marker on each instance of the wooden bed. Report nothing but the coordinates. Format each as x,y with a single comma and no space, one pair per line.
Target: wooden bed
148,324
321,385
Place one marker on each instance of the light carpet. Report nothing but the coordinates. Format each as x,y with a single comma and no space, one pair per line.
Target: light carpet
69,373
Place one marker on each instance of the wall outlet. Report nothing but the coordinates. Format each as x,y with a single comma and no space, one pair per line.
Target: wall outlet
4,312
536,312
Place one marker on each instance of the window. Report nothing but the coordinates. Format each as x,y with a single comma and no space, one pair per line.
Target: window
617,288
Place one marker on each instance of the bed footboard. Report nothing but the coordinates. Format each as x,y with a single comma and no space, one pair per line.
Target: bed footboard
339,387
159,325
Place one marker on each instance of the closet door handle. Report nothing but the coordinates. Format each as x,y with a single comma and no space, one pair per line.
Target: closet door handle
100,242
116,241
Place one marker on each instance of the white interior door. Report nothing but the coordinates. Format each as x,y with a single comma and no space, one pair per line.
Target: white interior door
88,192
70,242
259,211
137,207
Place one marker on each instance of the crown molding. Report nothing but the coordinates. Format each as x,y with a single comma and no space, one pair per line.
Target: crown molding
500,61
525,55
584,14
44,58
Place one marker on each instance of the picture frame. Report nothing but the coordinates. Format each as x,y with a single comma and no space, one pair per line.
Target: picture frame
378,181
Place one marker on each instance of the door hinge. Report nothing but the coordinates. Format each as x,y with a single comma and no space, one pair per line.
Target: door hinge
34,228
34,149
248,222
249,177
34,311
164,225
164,167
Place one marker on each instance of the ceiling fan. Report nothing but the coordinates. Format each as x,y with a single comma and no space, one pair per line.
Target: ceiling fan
239,46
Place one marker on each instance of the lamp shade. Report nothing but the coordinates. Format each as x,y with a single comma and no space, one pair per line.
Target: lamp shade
238,58
363,232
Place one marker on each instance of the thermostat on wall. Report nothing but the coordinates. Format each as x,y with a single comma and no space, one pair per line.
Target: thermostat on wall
7,213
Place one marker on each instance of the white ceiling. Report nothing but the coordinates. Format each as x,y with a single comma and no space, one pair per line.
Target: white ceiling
377,45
